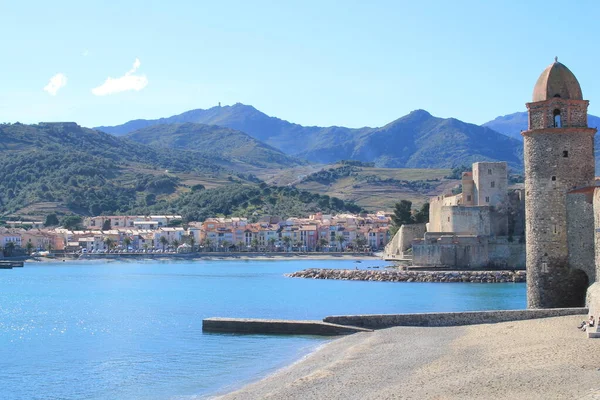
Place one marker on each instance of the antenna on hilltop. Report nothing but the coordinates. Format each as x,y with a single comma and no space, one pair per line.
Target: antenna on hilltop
556,59
219,104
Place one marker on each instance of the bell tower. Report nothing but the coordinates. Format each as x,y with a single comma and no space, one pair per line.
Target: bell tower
559,157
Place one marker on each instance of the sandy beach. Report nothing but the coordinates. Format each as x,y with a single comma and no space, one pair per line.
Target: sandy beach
535,359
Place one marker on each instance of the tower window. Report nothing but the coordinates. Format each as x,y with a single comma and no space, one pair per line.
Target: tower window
492,184
557,121
565,154
489,171
554,178
487,199
468,197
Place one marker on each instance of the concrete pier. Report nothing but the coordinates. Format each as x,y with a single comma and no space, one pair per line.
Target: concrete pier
277,326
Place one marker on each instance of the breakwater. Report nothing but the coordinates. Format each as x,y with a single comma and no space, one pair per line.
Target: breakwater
411,276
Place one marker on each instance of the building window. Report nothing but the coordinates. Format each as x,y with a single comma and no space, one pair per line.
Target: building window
553,178
555,229
487,199
468,197
448,219
557,121
489,171
492,184
565,154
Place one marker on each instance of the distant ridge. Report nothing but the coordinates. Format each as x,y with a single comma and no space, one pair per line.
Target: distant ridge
417,140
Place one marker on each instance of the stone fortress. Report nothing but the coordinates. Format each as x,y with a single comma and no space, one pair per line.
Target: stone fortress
481,227
558,210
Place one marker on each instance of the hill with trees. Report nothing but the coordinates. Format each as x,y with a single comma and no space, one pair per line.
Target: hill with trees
211,140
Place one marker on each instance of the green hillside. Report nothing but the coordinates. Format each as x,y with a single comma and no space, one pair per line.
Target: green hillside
237,148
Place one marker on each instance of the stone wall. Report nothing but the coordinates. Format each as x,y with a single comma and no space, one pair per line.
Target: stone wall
468,220
556,161
491,183
580,231
403,239
451,318
444,250
506,254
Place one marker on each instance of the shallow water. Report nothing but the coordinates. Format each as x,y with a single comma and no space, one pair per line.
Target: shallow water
133,330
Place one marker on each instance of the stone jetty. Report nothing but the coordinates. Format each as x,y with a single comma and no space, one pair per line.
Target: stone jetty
412,276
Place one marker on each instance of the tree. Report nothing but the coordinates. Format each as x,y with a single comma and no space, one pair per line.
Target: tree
106,225
72,222
108,242
51,220
287,240
272,243
175,244
29,247
402,213
360,241
207,243
9,248
225,245
164,241
127,242
422,216
240,245
254,244
323,242
340,239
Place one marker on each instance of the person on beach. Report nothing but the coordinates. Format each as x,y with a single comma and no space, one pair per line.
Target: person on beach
591,322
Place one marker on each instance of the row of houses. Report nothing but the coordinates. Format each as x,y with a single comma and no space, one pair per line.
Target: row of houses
318,232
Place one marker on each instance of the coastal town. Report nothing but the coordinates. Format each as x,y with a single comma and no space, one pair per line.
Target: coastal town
168,234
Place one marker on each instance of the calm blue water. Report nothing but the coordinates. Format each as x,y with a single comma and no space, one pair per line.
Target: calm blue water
133,330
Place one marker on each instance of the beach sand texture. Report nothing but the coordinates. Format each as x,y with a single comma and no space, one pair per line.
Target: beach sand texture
535,359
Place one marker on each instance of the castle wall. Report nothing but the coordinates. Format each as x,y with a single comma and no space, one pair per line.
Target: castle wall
450,251
491,183
506,254
593,292
466,220
402,240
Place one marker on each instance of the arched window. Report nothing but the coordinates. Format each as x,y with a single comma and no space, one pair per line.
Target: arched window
557,121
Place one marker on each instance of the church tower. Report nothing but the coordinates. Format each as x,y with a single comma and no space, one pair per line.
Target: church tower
559,156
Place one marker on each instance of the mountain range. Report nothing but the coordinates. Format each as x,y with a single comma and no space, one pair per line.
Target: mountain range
513,124
417,140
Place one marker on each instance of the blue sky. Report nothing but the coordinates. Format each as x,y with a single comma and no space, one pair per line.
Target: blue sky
349,63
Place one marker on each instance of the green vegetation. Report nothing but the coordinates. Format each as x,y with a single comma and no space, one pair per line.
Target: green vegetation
248,201
224,145
327,176
403,215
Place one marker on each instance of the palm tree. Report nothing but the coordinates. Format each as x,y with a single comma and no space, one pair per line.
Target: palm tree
207,243
340,239
192,241
175,243
360,242
254,244
145,246
323,242
108,242
240,245
127,242
29,247
164,241
225,245
49,247
287,240
272,244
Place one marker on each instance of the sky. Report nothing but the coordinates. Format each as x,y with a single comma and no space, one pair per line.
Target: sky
348,63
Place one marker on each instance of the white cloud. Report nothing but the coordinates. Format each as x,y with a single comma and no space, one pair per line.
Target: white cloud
85,53
129,81
56,82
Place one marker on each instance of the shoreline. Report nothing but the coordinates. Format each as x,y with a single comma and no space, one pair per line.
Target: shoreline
540,358
211,257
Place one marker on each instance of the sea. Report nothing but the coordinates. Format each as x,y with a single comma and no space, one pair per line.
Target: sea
133,330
